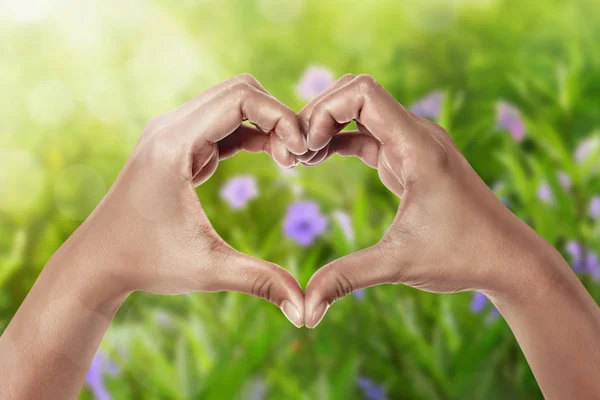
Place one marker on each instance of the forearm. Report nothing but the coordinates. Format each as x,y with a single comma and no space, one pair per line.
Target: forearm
557,324
50,343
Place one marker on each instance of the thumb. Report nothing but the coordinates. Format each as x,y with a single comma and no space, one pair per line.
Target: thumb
245,274
368,267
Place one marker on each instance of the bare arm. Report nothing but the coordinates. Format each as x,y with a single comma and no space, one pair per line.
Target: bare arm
557,324
150,233
49,344
452,234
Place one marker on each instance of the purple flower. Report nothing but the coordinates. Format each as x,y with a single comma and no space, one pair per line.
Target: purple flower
371,390
575,250
239,190
429,106
592,266
478,303
314,81
565,180
304,222
492,316
359,294
95,377
585,148
257,390
544,192
345,223
509,117
594,209
583,261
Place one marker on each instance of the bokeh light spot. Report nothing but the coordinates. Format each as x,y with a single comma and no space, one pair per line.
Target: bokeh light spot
25,11
281,11
50,103
432,16
105,98
21,180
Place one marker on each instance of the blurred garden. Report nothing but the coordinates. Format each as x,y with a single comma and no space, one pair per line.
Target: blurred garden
515,83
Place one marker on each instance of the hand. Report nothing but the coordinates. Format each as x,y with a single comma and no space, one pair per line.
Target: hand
152,218
450,234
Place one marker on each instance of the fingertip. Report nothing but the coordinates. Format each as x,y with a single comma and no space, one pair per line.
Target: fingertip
306,156
304,143
292,313
281,154
319,157
313,144
299,150
315,302
296,141
316,316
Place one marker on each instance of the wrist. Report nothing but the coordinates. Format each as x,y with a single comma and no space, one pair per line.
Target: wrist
531,275
85,271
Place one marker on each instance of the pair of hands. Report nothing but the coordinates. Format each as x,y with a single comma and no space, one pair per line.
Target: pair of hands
150,233
450,234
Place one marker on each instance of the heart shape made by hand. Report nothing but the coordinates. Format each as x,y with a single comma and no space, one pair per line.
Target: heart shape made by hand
446,236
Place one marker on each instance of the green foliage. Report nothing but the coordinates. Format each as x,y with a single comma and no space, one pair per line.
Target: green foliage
79,86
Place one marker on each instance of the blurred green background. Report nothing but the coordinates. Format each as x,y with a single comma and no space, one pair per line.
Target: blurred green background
80,80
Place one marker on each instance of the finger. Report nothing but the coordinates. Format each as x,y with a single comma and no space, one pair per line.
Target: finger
367,102
204,98
252,140
245,274
244,138
368,267
304,114
202,169
242,102
279,152
318,157
350,144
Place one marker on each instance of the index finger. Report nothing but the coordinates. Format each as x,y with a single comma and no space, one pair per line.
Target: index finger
225,113
304,114
366,101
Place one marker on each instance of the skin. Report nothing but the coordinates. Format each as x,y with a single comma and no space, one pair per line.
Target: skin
150,234
451,234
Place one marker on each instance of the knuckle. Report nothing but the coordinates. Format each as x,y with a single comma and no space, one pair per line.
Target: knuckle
155,123
241,89
341,284
246,78
263,287
157,148
347,77
366,83
438,158
440,130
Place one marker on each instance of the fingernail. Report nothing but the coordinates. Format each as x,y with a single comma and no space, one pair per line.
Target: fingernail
305,142
317,315
308,135
292,313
